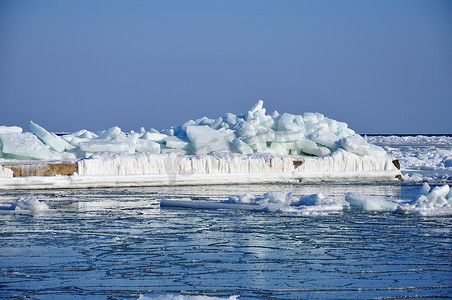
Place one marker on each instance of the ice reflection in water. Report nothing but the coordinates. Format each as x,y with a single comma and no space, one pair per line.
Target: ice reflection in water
119,243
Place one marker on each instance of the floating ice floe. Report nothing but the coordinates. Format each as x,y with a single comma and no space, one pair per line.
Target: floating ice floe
429,202
30,203
316,204
368,203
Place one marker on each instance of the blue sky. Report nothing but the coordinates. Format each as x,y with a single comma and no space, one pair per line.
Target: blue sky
381,66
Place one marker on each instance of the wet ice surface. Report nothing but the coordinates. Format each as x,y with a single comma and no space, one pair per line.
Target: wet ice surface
119,243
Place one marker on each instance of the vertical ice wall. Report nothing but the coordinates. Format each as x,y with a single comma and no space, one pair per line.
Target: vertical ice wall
111,164
343,161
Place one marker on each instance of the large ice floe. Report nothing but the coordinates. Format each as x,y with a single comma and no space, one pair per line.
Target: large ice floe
295,147
428,202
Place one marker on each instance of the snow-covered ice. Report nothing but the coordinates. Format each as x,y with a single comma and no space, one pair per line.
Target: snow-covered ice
422,158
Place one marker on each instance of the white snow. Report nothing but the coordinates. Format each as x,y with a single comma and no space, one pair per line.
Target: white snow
29,203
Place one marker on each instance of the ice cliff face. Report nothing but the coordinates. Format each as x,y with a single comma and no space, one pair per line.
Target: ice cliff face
311,134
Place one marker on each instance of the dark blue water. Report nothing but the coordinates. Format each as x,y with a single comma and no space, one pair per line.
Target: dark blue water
119,243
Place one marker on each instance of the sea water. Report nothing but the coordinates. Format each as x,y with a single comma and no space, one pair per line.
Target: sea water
119,244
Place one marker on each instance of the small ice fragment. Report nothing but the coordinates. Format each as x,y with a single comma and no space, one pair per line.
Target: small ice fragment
369,203
425,189
110,133
10,129
29,203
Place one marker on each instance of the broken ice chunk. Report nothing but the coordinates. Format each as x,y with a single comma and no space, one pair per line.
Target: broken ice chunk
205,139
24,146
242,147
286,122
10,129
53,141
356,144
110,133
104,146
174,142
154,136
326,138
369,203
310,147
147,146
